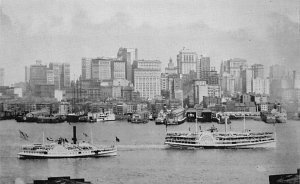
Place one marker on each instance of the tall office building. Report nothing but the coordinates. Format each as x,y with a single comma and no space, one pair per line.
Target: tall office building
227,84
128,55
186,61
261,86
203,68
38,74
2,74
171,69
61,72
147,78
258,71
119,69
233,67
102,68
50,76
247,76
27,74
200,91
86,68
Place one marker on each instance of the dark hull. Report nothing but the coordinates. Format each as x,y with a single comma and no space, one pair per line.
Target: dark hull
73,118
26,119
138,121
222,121
176,122
50,120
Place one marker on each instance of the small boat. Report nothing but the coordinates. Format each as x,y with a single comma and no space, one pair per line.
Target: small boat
87,119
191,115
106,116
140,118
32,116
161,118
63,149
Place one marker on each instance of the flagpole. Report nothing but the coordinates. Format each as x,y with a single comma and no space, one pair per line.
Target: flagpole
43,138
91,137
244,122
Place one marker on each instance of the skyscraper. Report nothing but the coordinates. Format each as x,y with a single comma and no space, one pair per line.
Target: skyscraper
247,76
128,55
61,72
27,74
66,75
233,68
203,68
258,71
38,74
171,69
147,78
50,76
119,69
2,76
186,61
86,68
102,68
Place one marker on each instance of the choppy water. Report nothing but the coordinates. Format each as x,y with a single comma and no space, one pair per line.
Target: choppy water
142,157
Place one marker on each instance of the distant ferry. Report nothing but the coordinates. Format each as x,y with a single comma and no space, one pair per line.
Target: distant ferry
274,116
63,149
107,116
214,139
176,117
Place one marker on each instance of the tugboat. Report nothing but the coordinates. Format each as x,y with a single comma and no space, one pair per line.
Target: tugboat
140,118
32,116
63,149
161,118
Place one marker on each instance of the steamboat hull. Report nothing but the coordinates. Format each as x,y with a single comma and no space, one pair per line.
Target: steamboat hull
106,153
265,144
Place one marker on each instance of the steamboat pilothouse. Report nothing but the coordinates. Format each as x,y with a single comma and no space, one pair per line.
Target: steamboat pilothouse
213,139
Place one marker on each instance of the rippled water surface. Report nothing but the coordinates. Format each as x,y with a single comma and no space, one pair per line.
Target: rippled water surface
142,157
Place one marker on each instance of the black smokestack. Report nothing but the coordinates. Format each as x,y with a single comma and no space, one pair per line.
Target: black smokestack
74,135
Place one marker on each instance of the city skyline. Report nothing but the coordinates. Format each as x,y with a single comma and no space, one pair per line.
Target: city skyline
259,31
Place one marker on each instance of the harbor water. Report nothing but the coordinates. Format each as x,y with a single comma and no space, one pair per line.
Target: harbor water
143,158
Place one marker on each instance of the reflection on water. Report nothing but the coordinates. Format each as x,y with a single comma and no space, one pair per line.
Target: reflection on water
142,157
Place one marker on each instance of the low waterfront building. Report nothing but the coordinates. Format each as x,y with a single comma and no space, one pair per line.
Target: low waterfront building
209,101
44,90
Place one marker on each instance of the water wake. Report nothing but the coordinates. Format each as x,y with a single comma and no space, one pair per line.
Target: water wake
141,147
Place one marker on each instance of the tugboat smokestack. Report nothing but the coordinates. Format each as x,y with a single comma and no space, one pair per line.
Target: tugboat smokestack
74,135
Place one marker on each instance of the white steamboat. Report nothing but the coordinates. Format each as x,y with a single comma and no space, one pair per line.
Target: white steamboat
64,149
213,139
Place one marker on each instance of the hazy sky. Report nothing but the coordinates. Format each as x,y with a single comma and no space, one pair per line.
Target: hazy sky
260,31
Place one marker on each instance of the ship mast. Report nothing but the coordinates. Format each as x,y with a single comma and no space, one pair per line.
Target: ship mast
225,124
196,124
43,138
91,137
244,122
